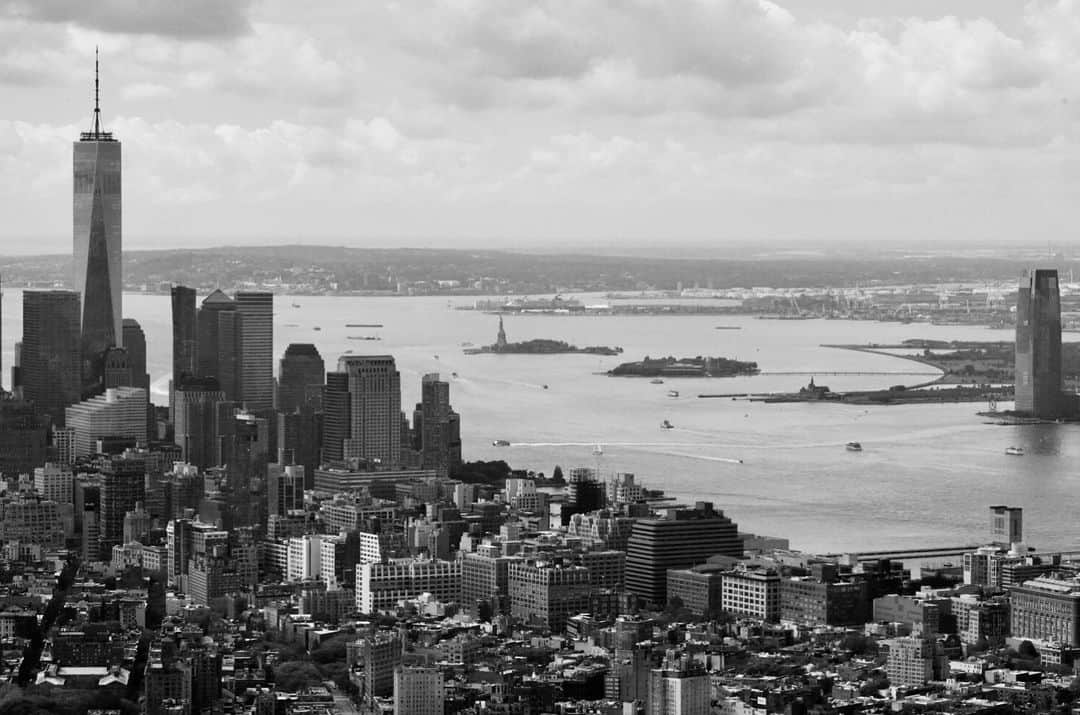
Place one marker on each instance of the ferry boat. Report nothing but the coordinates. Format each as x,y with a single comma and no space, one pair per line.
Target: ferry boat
673,393
500,443
853,447
1014,451
666,425
656,381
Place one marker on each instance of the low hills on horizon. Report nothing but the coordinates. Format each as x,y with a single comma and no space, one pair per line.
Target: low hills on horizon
341,269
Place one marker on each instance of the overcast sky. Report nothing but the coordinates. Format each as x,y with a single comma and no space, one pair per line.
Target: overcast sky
574,122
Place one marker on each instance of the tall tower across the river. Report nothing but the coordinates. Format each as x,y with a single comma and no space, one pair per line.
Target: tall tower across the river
1038,382
98,279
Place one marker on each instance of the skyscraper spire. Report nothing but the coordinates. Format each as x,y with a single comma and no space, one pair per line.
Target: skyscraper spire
97,96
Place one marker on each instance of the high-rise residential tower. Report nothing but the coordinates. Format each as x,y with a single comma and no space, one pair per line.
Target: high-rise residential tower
1038,380
301,376
256,360
50,360
363,411
97,239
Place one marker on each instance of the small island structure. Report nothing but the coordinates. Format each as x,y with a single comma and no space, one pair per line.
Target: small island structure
539,346
685,367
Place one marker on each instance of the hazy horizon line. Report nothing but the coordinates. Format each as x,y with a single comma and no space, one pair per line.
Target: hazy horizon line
613,247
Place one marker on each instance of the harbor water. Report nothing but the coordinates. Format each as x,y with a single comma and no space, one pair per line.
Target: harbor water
924,478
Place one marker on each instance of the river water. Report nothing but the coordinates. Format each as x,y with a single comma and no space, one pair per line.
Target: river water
925,477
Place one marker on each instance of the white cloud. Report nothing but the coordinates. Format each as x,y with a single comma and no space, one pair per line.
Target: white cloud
488,117
191,18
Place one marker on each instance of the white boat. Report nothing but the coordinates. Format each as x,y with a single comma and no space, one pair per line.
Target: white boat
500,443
853,447
1015,451
598,450
672,393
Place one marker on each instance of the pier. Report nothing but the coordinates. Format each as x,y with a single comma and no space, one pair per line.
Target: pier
907,554
813,373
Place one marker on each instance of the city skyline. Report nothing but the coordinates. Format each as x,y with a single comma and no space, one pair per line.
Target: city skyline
290,539
688,126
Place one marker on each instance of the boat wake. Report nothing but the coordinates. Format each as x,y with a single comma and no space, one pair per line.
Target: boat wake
612,444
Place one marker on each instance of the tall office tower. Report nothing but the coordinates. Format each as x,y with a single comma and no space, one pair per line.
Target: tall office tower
1006,525
256,359
50,360
435,424
117,370
23,437
185,335
118,414
16,370
301,433
219,342
195,404
1038,379
122,487
362,408
301,376
284,485
686,538
135,344
98,275
336,427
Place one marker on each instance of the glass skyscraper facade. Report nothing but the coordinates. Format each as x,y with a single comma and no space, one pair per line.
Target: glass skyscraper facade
98,277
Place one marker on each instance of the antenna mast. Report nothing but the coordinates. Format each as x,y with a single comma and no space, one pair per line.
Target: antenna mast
97,96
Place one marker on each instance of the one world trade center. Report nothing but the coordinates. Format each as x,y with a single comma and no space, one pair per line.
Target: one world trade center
98,278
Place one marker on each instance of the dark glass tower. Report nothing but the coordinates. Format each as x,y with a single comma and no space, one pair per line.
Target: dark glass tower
219,342
185,355
122,486
336,425
301,376
1039,382
256,359
436,428
97,242
50,360
135,344
196,403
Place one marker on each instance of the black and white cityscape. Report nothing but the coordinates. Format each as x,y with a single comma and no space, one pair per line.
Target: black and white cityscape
542,358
